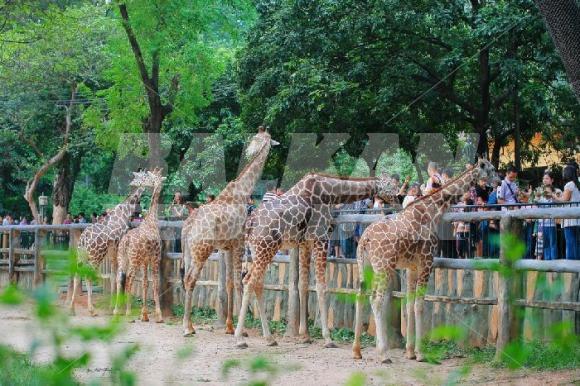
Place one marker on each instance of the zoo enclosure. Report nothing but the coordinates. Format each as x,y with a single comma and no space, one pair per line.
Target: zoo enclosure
470,291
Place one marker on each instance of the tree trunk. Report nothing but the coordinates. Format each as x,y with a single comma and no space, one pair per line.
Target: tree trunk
64,187
562,18
517,132
495,153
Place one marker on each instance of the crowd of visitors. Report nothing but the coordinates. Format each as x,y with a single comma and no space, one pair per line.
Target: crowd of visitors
547,239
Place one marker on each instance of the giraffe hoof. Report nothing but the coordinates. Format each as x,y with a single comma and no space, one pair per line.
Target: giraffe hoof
241,345
159,321
420,358
245,334
93,313
229,331
271,343
189,333
306,340
330,345
386,361
144,318
356,353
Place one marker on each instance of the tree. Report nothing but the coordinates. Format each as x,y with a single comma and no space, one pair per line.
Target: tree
165,61
405,66
43,75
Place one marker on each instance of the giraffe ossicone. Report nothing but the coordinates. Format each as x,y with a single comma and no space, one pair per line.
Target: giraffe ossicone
407,240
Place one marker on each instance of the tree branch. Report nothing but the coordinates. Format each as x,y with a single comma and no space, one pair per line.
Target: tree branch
135,48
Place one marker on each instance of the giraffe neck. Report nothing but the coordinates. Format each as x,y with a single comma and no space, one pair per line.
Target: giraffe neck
437,203
322,189
238,190
152,214
118,218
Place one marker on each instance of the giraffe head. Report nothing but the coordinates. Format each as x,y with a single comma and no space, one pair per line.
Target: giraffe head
260,141
387,190
156,178
484,169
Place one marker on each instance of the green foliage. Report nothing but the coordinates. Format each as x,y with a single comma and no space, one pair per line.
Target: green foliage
262,371
85,199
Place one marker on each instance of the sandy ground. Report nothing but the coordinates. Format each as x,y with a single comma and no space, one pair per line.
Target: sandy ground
160,359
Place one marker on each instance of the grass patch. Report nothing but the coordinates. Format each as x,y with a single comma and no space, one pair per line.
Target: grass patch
17,369
534,355
204,315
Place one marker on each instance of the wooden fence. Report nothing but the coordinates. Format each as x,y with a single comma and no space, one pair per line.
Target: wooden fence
493,308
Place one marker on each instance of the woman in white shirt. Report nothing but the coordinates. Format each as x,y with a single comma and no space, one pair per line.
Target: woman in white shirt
571,227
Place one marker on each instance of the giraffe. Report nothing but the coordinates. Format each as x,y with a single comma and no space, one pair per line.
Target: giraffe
220,224
407,240
141,248
301,218
98,239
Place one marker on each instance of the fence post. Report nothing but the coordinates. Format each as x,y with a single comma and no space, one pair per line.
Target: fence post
293,312
509,287
165,276
222,307
11,257
37,261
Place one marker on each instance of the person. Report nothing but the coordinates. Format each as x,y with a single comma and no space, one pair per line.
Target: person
403,188
492,199
82,219
210,198
546,194
508,191
434,182
446,175
529,228
270,194
461,229
345,247
68,219
411,195
571,227
378,203
482,189
94,218
177,209
250,206
279,192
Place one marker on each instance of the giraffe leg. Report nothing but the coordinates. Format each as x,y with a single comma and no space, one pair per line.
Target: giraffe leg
145,286
237,256
419,307
380,286
259,290
119,294
304,279
320,248
200,253
411,295
128,289
239,333
113,277
76,282
90,305
229,292
155,275
358,320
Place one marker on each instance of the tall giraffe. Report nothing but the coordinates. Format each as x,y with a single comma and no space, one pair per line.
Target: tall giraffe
220,224
407,240
141,248
302,217
98,239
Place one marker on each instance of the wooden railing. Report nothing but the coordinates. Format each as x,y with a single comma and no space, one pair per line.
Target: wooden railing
508,297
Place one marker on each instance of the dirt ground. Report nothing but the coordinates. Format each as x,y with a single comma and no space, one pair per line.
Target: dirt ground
160,359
